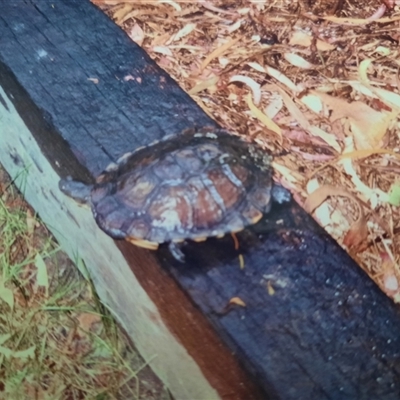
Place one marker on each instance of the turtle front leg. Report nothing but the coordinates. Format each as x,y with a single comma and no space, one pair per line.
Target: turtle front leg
175,250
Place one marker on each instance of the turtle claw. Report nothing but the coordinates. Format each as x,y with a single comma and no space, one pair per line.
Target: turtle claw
175,250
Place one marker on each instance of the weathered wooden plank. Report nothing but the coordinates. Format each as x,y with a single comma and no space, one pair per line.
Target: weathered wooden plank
314,325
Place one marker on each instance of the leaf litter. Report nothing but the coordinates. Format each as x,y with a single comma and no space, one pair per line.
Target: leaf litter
57,341
317,81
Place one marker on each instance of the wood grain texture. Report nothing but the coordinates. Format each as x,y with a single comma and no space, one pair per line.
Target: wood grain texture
314,325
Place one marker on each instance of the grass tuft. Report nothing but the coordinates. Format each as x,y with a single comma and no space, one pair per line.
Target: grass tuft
57,341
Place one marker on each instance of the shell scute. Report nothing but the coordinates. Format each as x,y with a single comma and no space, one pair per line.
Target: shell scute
206,210
135,190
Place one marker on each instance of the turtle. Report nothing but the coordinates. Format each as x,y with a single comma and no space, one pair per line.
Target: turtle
200,183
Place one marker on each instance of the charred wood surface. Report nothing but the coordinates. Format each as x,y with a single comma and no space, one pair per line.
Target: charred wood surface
305,321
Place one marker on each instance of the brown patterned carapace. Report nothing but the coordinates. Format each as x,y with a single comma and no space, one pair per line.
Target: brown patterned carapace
189,186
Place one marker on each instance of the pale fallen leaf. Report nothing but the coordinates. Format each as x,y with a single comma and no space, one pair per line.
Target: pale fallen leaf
294,111
359,21
391,284
274,106
373,196
280,77
388,97
359,154
223,61
165,50
363,70
301,119
257,113
297,61
234,27
251,83
211,7
136,34
207,83
186,30
256,66
314,103
172,3
326,137
292,177
379,13
305,40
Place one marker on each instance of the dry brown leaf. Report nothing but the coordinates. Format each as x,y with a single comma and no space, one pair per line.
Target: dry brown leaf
368,126
316,198
121,13
358,154
389,279
87,320
356,237
271,125
359,21
217,52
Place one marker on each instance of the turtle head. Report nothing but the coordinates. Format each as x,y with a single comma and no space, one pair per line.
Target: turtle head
79,191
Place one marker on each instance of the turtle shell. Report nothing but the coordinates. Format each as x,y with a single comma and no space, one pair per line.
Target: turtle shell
189,186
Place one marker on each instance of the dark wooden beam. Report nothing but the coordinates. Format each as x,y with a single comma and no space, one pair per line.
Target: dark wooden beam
75,94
